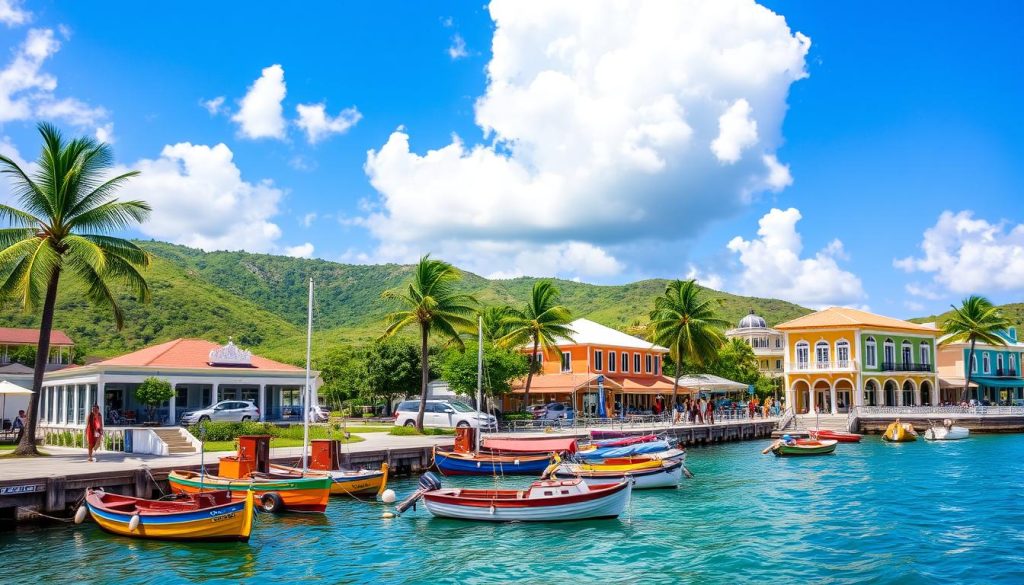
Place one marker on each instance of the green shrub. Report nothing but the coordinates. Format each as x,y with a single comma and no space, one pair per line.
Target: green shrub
411,431
517,416
229,431
368,415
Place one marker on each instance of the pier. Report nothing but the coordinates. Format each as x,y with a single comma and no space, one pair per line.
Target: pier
978,419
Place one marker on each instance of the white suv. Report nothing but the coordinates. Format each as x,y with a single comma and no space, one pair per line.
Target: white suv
444,414
229,410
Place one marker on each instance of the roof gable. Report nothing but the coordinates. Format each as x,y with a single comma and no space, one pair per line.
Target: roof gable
188,354
23,336
591,333
846,317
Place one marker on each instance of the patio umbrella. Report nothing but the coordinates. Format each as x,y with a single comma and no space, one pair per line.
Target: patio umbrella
9,388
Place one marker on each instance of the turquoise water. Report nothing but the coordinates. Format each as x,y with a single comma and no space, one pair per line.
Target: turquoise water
873,513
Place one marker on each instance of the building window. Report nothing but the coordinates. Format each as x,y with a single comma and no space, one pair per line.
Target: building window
925,353
657,365
821,355
908,354
889,359
598,360
843,354
974,364
803,355
986,363
778,364
647,363
999,364
871,353
611,361
566,362
636,363
625,362
1013,365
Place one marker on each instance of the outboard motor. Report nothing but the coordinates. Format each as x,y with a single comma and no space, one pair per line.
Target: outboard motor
428,483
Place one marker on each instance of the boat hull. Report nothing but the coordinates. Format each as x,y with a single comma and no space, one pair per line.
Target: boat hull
302,494
606,503
484,464
805,449
668,476
356,482
228,522
946,434
823,434
899,433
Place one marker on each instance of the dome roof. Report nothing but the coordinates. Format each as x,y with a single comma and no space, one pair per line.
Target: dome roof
752,321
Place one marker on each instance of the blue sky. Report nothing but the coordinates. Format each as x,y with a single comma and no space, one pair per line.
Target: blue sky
585,155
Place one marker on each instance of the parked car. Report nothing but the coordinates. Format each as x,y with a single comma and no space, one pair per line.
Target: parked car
443,414
554,411
225,410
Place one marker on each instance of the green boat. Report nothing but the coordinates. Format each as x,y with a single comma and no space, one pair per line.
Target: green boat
803,448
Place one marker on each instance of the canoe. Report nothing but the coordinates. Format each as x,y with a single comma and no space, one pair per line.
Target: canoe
276,492
355,482
544,501
804,448
667,475
451,463
946,433
667,455
898,432
825,434
212,515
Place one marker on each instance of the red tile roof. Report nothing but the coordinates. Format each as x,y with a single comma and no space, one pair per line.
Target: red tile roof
14,335
188,354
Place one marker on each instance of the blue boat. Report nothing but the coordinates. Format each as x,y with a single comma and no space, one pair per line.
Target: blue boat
450,463
627,451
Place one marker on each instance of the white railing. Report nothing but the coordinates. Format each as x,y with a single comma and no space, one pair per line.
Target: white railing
825,365
627,423
939,410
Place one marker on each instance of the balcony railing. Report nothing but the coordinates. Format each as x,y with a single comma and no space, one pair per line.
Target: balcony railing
823,365
1001,373
898,367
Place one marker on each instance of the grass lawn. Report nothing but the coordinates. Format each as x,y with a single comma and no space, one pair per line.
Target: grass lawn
7,447
410,431
275,442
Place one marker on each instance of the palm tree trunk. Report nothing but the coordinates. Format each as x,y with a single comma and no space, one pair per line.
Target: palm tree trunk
424,375
27,446
970,368
529,375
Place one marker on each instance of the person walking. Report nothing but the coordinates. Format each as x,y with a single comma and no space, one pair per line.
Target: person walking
20,422
751,407
709,414
93,429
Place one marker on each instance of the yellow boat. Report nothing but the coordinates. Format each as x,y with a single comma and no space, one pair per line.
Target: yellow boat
355,482
634,466
898,432
213,515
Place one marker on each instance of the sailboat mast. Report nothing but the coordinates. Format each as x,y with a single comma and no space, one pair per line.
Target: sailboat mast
479,372
306,393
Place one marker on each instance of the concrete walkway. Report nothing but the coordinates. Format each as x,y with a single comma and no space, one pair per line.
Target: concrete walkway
65,461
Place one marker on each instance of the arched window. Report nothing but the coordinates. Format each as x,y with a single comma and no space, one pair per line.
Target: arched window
842,354
870,393
889,359
908,354
986,363
974,364
1013,365
821,357
999,364
803,355
925,352
871,353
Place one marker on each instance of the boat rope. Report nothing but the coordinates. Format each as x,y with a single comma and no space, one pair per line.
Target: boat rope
48,517
153,479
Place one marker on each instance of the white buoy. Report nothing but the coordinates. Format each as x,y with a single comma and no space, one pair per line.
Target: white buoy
388,515
133,524
80,514
388,496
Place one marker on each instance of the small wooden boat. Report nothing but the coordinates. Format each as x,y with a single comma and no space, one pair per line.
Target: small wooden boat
544,501
825,434
452,463
212,515
666,475
276,492
529,446
803,448
326,456
946,432
595,452
620,465
624,441
898,432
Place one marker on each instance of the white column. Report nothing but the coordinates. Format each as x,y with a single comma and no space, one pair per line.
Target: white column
85,401
263,402
64,404
44,403
171,418
832,396
917,395
100,399
899,395
858,390
74,405
213,394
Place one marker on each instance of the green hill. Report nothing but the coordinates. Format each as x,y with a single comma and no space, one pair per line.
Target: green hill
1012,311
260,300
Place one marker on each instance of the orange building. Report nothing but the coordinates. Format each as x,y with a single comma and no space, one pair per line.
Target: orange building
598,358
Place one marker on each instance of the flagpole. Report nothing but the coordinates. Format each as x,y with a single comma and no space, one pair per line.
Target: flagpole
479,372
306,392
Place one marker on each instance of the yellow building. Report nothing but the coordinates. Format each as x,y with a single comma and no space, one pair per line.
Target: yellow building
840,357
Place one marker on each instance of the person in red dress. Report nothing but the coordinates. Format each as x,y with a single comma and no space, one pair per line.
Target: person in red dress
93,429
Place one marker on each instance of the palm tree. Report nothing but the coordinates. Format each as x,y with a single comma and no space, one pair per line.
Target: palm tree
495,322
686,322
976,319
541,323
67,210
431,303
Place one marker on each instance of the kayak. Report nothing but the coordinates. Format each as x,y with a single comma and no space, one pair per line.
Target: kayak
804,448
825,434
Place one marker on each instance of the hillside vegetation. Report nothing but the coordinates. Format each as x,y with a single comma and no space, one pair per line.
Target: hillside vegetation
260,300
1012,311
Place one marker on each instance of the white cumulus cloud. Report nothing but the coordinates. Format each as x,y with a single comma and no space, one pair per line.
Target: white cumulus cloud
200,199
599,120
773,266
968,255
105,133
457,50
300,251
12,14
317,125
213,106
260,114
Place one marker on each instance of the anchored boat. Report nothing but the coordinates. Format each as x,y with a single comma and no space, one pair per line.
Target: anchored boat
825,434
454,463
213,515
898,432
666,474
789,447
946,432
326,457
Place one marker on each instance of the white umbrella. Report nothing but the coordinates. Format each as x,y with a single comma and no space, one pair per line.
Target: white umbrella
9,388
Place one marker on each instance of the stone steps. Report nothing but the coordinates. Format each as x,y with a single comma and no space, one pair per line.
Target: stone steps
176,444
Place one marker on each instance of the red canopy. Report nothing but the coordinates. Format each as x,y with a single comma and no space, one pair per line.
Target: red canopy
530,445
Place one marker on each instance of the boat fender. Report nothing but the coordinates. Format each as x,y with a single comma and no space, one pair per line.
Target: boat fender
387,515
80,514
388,497
272,502
133,524
516,462
492,510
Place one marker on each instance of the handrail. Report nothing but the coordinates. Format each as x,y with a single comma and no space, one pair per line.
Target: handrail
941,410
787,417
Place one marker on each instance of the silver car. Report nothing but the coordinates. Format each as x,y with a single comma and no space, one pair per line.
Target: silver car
225,410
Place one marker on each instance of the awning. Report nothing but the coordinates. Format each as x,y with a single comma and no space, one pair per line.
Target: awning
562,383
946,383
711,383
530,445
999,382
9,388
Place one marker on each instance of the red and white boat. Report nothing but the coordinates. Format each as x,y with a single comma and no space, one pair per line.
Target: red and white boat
827,435
544,501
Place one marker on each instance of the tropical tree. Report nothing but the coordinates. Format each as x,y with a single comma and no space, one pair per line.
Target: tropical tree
67,209
388,369
495,322
501,367
540,324
153,392
976,319
431,304
687,323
